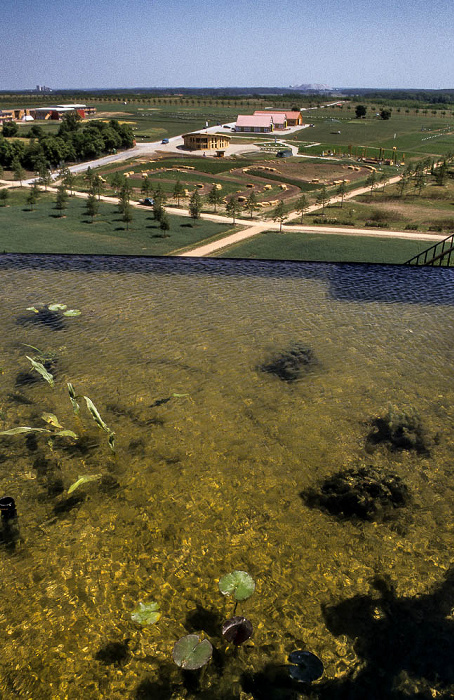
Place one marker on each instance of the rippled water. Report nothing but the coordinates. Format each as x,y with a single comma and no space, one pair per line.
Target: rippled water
209,481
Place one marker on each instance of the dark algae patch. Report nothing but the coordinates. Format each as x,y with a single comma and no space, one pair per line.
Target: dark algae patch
290,364
399,429
366,493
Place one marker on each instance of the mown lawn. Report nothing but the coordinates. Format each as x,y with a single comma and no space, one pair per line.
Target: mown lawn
273,245
43,231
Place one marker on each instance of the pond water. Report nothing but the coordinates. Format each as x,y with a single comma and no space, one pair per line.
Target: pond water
212,456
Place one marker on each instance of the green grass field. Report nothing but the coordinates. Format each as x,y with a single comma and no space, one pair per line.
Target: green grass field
43,231
273,245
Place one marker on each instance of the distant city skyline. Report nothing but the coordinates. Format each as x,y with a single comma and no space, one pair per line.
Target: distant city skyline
152,43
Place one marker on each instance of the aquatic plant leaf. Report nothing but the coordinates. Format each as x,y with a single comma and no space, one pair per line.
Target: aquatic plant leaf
84,479
190,653
179,396
32,308
146,613
72,312
308,666
238,583
26,345
111,441
72,398
67,433
57,307
23,429
41,370
52,419
95,414
237,630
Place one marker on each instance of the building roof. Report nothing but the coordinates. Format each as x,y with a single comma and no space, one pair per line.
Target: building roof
202,133
288,115
253,120
276,116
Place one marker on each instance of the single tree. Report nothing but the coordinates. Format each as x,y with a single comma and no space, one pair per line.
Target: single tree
146,186
117,182
371,181
342,191
251,204
96,185
302,205
1,172
44,174
33,195
178,191
92,206
195,204
280,214
322,198
61,200
4,194
18,171
89,175
215,197
360,111
233,207
385,114
420,181
68,180
382,179
158,207
403,184
164,224
127,216
441,173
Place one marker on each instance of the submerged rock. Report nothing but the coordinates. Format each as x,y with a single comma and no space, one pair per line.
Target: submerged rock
400,429
367,493
292,363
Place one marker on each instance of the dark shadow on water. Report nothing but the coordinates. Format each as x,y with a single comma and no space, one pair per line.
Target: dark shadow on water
364,282
200,618
404,644
113,653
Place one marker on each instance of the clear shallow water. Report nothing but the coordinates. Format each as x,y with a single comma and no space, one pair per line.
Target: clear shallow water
210,482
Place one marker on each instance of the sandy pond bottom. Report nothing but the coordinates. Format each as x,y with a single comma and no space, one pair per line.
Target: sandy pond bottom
209,481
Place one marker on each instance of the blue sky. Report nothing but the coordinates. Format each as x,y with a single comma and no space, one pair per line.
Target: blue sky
193,43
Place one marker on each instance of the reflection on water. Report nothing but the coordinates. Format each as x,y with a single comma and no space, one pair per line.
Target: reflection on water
211,456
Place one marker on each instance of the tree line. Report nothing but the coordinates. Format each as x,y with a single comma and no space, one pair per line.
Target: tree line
72,143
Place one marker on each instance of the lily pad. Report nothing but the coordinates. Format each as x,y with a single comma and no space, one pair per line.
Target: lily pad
190,653
237,630
238,583
57,307
72,312
146,613
308,666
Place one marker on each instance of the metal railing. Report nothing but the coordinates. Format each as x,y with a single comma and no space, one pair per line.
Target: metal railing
437,255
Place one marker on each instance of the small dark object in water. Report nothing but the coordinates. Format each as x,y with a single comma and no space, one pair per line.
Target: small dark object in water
290,364
401,428
307,668
366,493
237,630
8,508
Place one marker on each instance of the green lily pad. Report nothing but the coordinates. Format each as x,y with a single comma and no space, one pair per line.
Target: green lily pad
238,583
146,613
190,653
72,312
57,307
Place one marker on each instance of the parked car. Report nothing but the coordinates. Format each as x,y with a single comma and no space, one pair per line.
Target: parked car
148,201
165,141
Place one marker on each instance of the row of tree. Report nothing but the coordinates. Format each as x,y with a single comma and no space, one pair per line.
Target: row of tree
72,143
